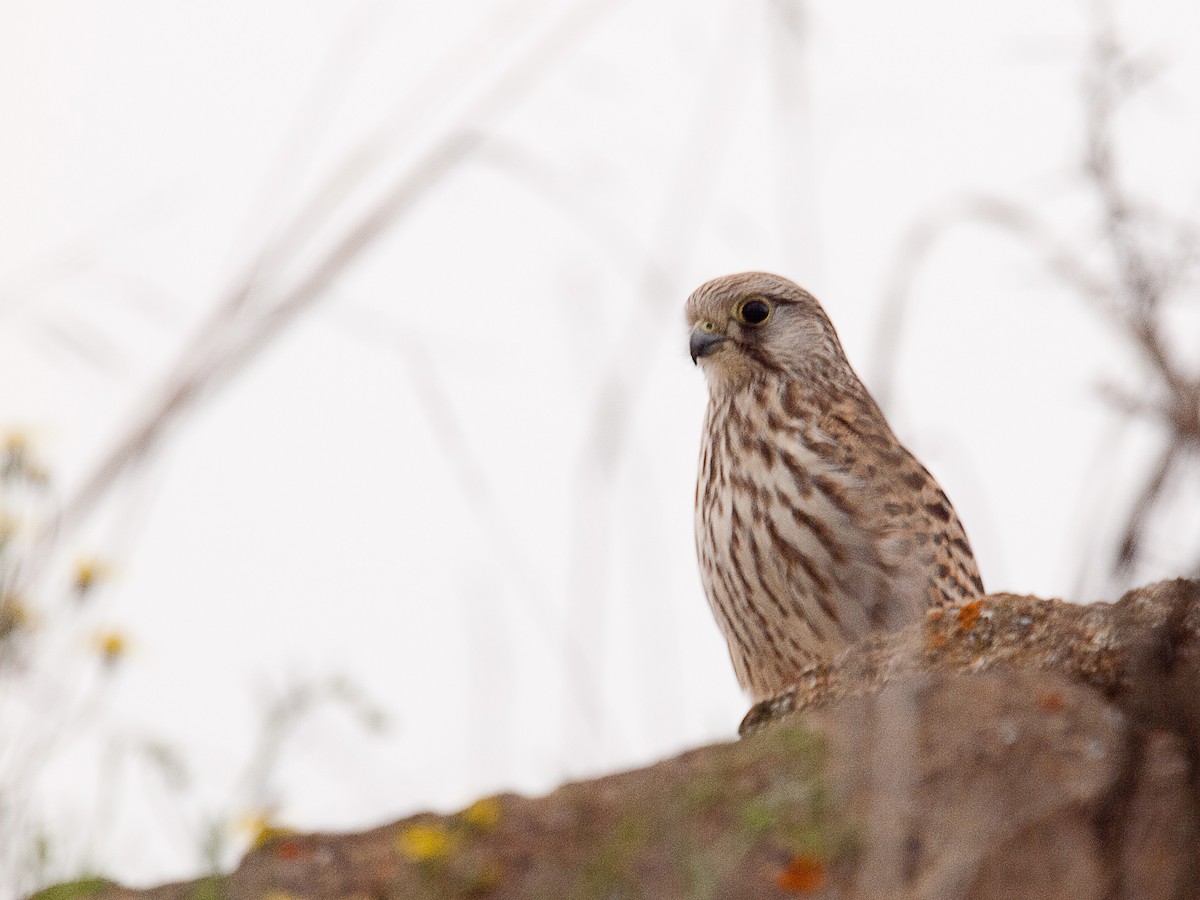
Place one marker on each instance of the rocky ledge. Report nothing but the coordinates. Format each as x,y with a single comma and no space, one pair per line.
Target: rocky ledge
1011,747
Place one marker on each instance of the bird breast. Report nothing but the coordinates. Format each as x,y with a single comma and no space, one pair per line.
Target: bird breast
777,546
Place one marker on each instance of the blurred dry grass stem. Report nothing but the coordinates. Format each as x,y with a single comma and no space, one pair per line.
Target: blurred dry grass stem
297,264
1147,258
257,309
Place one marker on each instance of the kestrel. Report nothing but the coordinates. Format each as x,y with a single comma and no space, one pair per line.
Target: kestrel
815,527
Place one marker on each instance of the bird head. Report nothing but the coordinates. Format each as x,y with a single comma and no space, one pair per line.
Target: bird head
748,326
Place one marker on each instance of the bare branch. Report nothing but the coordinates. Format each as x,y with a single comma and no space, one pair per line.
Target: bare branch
1056,254
1149,256
1130,547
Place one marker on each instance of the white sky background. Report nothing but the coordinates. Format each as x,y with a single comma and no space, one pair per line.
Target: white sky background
313,518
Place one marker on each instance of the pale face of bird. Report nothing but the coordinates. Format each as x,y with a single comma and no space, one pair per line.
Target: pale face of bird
754,324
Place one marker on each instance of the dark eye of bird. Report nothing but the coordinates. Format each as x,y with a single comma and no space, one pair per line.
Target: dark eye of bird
755,312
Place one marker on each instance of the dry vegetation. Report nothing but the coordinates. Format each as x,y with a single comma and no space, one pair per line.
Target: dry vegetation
1133,266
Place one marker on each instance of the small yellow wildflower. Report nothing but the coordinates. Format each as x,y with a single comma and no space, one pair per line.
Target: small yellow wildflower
482,814
14,615
112,645
279,895
88,571
14,457
262,829
253,823
421,843
18,461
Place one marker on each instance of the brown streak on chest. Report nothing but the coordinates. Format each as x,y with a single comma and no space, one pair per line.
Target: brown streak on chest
793,555
832,492
800,477
822,532
795,403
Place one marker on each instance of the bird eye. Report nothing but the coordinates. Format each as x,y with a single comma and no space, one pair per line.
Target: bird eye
753,312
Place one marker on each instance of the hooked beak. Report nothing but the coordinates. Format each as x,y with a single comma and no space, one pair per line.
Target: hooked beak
704,340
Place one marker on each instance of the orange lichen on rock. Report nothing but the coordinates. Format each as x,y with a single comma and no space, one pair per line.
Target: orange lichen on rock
968,615
804,874
1051,701
289,849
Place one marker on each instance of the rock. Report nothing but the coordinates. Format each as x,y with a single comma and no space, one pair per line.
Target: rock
1092,644
977,785
1012,747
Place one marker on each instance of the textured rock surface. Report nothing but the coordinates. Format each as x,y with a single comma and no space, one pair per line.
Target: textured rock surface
1091,643
1010,748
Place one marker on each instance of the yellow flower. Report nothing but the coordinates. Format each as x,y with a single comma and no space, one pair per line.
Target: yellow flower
263,829
482,814
112,645
18,461
421,843
15,458
88,571
253,822
14,615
